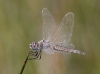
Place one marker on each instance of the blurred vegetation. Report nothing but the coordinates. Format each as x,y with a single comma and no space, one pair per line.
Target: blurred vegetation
21,23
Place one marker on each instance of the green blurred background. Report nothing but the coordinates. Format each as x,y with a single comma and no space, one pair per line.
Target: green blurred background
21,23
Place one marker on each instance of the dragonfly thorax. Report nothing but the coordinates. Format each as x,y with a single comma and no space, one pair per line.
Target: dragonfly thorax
33,45
43,44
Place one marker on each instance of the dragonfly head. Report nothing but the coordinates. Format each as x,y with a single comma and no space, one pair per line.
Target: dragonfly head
33,46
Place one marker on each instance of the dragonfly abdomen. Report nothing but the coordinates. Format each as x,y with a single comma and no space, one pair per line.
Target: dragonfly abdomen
60,48
65,49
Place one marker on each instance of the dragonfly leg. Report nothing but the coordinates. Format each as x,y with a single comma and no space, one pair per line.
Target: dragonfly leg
33,53
37,55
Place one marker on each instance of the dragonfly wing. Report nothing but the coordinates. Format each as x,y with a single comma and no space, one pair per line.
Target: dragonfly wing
64,31
48,24
48,27
70,46
48,51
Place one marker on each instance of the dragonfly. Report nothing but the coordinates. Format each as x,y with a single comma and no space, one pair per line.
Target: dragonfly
54,38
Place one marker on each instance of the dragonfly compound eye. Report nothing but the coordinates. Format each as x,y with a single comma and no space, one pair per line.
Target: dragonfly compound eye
33,46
